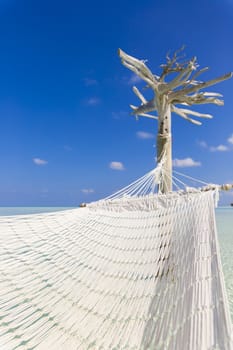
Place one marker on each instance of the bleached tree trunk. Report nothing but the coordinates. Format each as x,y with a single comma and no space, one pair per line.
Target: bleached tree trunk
164,143
183,89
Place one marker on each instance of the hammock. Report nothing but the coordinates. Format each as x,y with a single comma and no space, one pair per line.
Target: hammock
135,271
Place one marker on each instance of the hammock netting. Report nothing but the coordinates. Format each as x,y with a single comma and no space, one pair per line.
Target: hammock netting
129,272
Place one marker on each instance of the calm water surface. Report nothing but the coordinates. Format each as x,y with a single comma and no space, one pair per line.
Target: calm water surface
29,210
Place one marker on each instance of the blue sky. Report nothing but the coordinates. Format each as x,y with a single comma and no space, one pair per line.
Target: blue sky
66,133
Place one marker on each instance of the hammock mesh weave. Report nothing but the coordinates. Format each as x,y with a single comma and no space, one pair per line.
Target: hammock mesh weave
128,273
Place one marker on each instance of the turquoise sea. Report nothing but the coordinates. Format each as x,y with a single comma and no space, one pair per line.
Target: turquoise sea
224,219
29,210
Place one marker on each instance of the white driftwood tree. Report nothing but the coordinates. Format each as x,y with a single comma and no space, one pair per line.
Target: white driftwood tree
181,88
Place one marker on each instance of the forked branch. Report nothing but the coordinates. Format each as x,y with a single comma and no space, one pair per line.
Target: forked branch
182,89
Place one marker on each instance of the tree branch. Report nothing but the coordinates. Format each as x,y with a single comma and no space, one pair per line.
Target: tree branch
180,79
139,95
184,115
177,94
197,114
199,72
142,114
150,106
198,99
183,89
139,68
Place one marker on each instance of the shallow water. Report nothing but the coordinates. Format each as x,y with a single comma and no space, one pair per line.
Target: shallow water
224,219
29,210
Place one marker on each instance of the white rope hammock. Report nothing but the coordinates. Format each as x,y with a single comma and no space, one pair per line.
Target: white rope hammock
135,271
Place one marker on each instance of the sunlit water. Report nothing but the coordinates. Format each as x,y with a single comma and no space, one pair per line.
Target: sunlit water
224,218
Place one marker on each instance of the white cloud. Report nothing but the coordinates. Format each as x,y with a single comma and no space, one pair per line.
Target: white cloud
145,135
117,166
87,190
93,101
39,161
185,163
90,82
202,144
230,139
219,148
130,80
134,79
